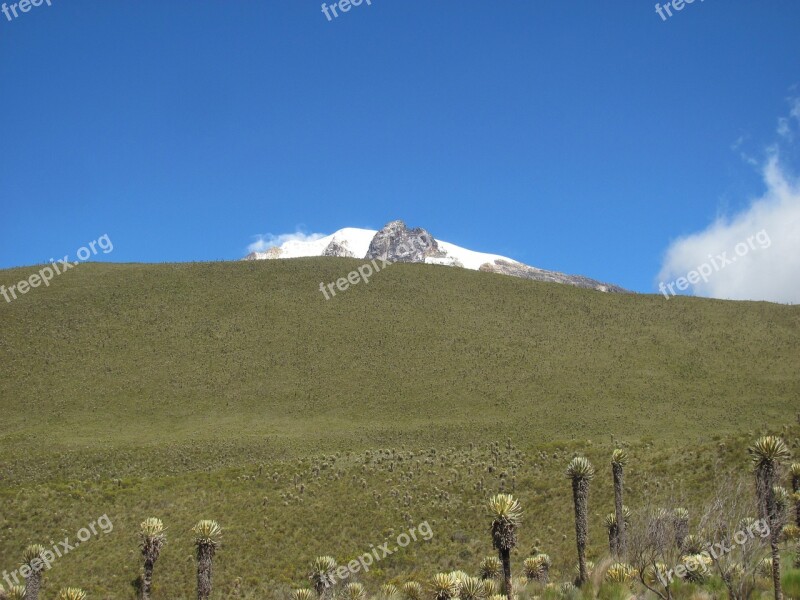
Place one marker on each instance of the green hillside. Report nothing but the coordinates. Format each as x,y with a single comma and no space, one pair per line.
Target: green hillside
214,390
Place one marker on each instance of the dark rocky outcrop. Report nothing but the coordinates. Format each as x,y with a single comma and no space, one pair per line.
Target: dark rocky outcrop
397,243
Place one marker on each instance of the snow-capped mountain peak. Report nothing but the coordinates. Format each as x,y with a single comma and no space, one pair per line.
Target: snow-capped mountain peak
357,242
397,243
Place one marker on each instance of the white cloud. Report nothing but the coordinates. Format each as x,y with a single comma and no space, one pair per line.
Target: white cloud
795,112
785,125
266,241
784,128
765,271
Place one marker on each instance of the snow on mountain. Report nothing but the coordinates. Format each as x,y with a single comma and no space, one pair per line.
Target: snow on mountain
397,243
357,242
469,259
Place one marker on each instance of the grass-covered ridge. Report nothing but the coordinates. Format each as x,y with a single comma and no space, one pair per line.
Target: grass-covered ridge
213,359
235,392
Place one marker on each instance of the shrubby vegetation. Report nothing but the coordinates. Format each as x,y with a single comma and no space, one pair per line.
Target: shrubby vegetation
667,555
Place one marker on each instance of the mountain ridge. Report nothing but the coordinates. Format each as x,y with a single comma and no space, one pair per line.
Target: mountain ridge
420,247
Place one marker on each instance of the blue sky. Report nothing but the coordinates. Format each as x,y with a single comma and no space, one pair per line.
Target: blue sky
583,137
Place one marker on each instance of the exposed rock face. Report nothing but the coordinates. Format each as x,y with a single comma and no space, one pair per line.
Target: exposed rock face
338,249
526,272
273,252
397,243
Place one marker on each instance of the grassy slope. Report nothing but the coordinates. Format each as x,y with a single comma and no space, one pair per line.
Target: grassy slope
138,389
